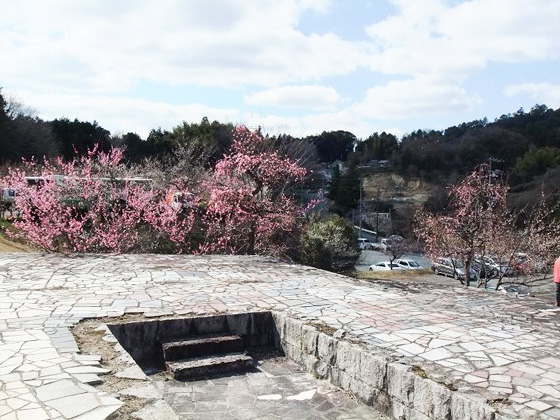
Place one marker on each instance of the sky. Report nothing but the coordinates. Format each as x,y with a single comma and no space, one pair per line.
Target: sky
297,67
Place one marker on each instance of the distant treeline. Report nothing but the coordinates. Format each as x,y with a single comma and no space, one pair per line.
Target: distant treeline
524,146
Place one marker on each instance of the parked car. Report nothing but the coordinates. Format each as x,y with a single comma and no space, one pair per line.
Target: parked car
364,243
494,267
384,266
484,270
451,267
8,195
376,246
407,264
386,243
179,200
523,264
518,290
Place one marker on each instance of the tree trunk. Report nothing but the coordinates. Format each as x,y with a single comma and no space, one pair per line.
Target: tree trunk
252,238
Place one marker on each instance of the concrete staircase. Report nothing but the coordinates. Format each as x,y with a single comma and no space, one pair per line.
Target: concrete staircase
202,356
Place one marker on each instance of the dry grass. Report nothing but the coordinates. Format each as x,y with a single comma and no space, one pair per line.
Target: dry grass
393,275
10,246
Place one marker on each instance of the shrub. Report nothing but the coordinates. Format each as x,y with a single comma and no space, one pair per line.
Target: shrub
329,244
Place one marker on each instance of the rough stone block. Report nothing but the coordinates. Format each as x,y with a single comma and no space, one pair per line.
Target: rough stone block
345,380
400,383
297,352
309,362
366,393
373,369
416,415
431,399
354,386
334,375
398,410
465,407
326,348
279,328
348,358
343,358
321,369
382,403
293,331
309,338
292,351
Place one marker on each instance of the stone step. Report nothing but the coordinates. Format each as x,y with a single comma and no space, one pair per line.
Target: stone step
210,366
200,346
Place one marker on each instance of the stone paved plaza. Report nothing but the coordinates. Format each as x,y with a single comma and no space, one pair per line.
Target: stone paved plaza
498,348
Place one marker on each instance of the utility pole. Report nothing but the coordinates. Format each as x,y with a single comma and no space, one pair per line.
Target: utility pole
377,217
360,204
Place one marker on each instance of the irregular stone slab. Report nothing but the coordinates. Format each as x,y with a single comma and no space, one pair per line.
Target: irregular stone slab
209,366
148,392
159,410
57,390
75,405
271,397
302,396
132,372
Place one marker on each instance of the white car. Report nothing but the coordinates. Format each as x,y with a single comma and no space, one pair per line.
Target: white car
384,266
408,264
364,243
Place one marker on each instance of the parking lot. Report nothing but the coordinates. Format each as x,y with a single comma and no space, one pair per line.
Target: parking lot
540,288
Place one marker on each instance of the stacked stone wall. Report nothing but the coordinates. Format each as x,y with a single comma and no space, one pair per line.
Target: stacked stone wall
391,387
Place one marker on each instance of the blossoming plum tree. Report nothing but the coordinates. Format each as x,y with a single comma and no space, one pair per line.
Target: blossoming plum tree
477,212
90,204
478,224
249,209
85,205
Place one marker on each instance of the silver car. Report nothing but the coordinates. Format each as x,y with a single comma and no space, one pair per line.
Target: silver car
408,264
451,267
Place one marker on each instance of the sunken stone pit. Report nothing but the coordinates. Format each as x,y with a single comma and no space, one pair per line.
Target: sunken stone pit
209,346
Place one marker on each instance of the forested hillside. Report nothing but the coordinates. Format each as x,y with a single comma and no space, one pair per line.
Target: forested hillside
523,146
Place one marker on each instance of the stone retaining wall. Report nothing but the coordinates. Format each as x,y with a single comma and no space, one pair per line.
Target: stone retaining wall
391,387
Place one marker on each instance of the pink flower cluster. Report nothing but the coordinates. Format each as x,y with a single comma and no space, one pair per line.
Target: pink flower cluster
249,210
80,206
84,206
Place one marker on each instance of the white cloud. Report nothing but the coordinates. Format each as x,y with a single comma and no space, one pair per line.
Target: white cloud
317,5
97,55
415,98
125,114
312,124
430,37
543,93
310,96
102,45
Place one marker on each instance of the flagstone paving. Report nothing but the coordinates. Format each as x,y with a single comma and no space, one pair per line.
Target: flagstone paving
500,347
277,390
